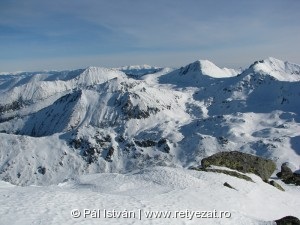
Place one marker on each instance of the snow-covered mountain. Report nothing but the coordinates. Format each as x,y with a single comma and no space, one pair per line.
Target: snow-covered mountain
125,139
283,71
139,70
58,125
197,72
208,68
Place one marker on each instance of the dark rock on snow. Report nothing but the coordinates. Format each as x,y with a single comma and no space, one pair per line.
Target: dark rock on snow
227,172
288,176
288,220
285,172
228,185
242,162
273,183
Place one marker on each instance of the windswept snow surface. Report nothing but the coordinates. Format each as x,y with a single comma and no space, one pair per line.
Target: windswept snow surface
159,189
123,139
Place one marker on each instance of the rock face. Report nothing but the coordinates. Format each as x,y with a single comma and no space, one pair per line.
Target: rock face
285,172
242,162
288,176
288,220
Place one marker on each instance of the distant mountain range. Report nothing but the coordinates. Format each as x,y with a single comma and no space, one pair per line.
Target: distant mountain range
56,125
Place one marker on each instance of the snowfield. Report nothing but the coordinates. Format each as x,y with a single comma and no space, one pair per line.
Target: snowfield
123,139
150,190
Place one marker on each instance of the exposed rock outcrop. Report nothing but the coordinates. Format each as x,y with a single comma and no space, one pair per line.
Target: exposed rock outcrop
228,172
288,176
242,162
288,220
278,186
162,144
285,172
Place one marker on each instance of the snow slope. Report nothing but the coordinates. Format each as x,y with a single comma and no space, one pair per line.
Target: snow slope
150,190
283,71
210,69
39,86
198,71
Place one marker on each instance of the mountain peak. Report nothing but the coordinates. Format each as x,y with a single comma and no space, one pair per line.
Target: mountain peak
208,68
97,75
283,71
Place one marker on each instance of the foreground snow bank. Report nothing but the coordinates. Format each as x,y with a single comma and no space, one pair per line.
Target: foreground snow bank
160,189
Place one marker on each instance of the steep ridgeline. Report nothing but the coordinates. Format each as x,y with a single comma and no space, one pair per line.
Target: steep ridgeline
56,125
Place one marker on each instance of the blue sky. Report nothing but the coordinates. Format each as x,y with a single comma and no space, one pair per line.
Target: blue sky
67,34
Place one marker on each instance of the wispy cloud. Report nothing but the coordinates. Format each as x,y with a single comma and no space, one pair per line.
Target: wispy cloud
46,30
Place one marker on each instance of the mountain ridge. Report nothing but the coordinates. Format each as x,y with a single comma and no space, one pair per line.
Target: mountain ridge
105,120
